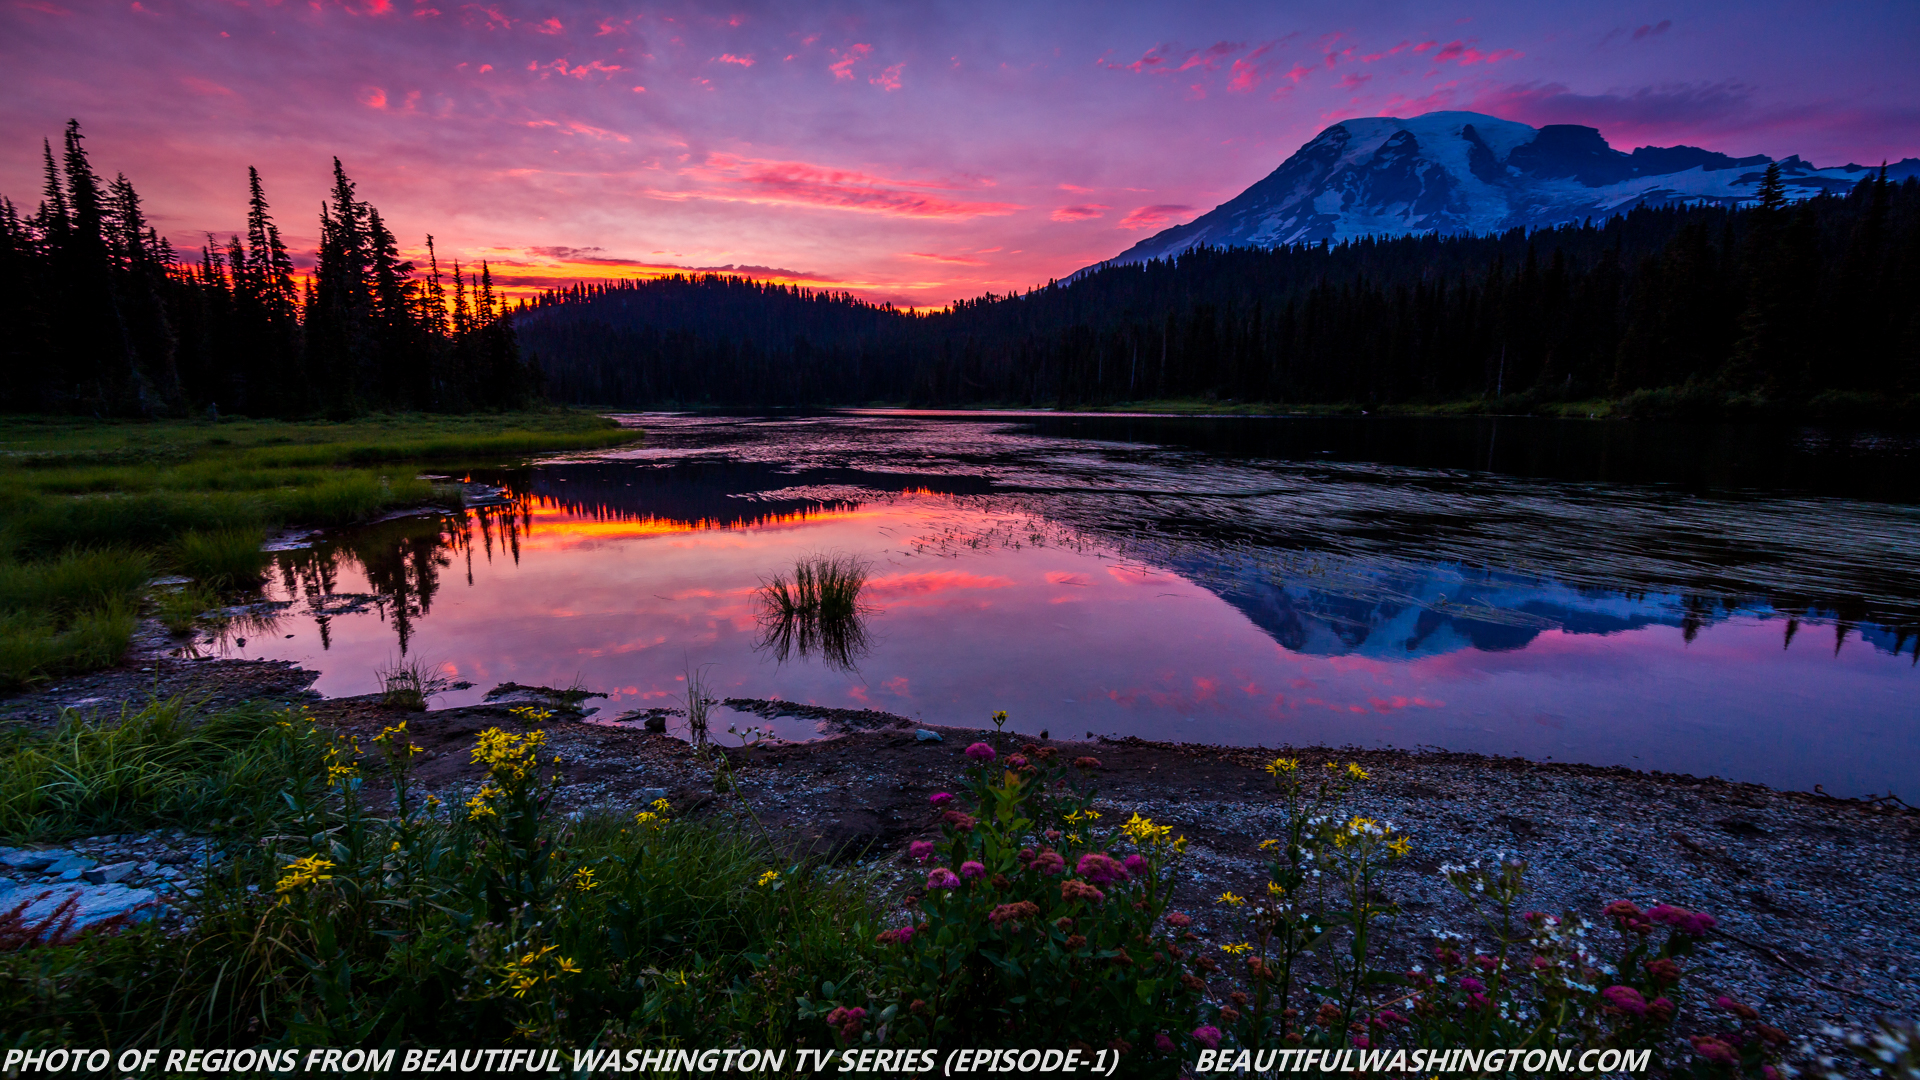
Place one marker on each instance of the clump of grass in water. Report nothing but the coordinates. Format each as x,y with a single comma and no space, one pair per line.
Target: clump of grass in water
409,684
180,610
817,610
698,702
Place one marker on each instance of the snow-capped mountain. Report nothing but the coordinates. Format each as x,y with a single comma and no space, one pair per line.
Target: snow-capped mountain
1464,172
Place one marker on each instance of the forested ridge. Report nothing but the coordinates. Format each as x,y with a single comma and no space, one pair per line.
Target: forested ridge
103,315
1778,304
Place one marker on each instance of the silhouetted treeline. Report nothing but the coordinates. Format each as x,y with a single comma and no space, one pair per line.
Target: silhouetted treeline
1776,303
101,315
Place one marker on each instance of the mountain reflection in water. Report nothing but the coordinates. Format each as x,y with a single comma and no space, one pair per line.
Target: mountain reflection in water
1132,587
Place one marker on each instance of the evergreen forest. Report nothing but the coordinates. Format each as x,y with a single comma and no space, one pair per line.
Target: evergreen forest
1774,305
105,316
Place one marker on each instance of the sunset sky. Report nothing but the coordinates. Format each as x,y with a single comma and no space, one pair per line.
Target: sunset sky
909,152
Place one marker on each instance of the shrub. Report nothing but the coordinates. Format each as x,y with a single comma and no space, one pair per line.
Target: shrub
1039,926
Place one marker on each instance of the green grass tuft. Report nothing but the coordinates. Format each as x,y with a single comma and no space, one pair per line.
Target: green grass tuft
225,560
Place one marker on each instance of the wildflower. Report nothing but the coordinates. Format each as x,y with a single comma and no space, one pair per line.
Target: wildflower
1236,950
940,798
980,752
1072,889
1663,971
768,878
848,1021
1229,899
920,850
1269,845
1660,1010
1048,863
942,878
661,806
302,873
1143,831
1355,771
959,820
649,819
1274,889
1136,864
583,879
1162,1044
481,805
1025,909
1179,919
1714,1050
1088,763
1691,923
567,967
1100,869
1208,1036
1075,943
1744,1012
1283,765
1626,999
1400,846
971,869
897,936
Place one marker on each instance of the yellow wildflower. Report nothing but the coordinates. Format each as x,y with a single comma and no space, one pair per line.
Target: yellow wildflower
583,879
1269,845
1143,831
768,878
1400,846
1273,889
648,818
1229,899
1354,770
1283,765
1236,950
302,873
662,805
567,966
481,806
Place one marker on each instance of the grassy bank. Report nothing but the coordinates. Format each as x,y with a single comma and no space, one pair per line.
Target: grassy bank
90,510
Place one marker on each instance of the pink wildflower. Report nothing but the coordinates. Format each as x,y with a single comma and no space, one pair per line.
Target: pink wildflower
1472,985
1136,864
1086,763
1163,1044
1016,761
971,869
1073,889
980,752
1100,869
1626,999
1691,923
1024,909
1660,1010
959,820
1714,1050
847,1020
1208,1036
1048,863
920,850
940,798
1361,1041
942,878
1179,918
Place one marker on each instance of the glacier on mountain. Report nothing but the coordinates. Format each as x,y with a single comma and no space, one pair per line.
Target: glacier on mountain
1465,172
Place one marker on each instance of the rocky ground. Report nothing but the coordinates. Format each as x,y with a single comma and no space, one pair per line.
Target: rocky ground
1818,898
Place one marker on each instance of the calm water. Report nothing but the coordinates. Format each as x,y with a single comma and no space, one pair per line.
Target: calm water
1735,602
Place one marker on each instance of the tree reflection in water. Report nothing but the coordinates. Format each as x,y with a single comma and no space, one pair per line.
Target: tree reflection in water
817,612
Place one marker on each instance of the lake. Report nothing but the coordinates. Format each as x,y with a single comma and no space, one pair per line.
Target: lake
1733,601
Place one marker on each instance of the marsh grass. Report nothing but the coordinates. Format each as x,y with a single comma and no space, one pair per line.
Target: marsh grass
181,609
409,683
226,559
87,507
817,611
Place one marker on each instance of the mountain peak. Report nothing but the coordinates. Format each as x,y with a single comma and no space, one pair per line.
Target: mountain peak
1468,172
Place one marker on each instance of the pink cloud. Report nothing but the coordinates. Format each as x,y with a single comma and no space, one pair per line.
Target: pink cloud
1147,217
1082,212
1353,80
958,260
888,79
205,86
373,97
729,58
799,183
843,68
551,26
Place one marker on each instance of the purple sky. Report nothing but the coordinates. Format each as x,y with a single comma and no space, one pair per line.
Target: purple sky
910,152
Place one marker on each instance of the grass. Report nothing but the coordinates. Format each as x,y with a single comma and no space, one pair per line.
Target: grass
818,611
89,509
159,764
425,923
410,683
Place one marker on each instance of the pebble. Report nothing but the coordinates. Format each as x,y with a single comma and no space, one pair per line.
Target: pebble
924,735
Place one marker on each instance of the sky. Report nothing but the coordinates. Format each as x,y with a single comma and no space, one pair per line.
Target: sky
907,152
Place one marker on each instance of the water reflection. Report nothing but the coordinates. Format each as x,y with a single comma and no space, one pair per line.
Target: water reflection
817,611
1136,589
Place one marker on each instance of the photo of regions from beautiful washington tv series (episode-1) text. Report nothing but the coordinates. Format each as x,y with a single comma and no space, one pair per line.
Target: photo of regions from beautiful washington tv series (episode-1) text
587,538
